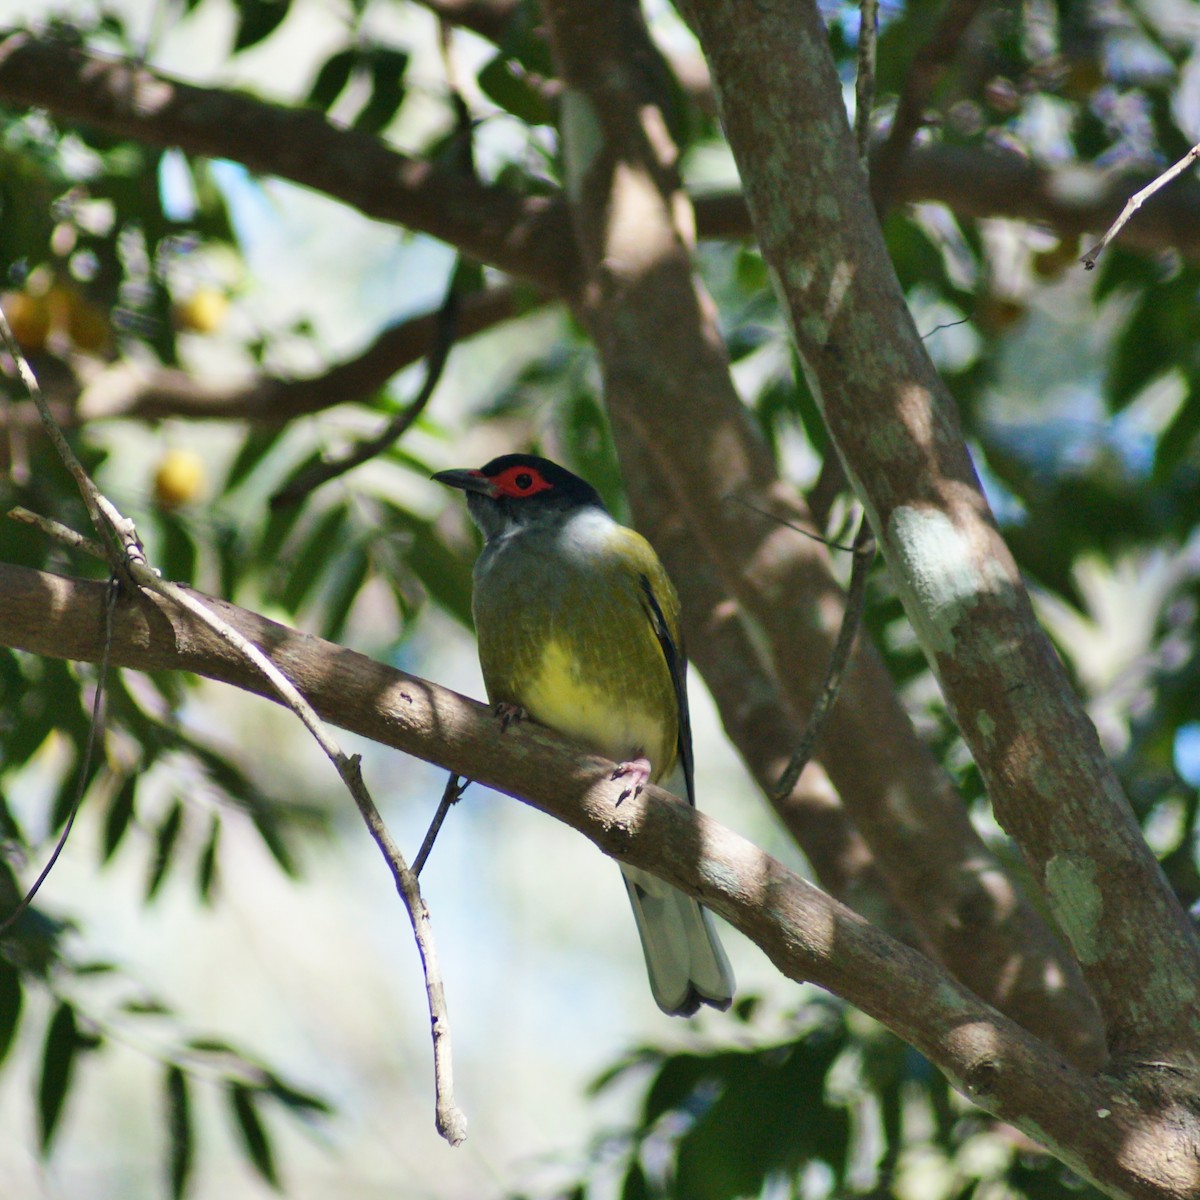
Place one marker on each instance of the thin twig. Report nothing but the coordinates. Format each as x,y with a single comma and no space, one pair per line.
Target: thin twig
864,82
856,594
320,473
57,531
122,541
445,335
808,533
1136,201
450,796
95,731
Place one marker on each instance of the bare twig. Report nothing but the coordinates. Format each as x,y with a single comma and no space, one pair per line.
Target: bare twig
450,796
1136,201
113,538
124,551
446,332
126,390
57,531
864,83
856,594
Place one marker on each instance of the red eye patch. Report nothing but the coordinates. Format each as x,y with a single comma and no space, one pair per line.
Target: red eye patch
520,481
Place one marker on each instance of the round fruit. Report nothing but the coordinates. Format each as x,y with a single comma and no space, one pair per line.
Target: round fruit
203,311
28,318
179,479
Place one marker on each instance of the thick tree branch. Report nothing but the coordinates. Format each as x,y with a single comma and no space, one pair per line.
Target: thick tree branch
897,434
690,453
129,390
1094,1122
525,236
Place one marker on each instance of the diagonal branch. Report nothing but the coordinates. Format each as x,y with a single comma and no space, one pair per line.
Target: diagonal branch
127,390
1132,1150
689,452
895,428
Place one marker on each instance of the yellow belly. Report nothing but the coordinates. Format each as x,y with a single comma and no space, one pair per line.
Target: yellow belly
560,696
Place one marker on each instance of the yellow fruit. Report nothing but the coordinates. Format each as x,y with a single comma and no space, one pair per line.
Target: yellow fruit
28,318
179,479
203,311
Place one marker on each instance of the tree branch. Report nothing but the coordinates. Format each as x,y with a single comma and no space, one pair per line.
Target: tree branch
926,70
524,235
895,429
128,390
690,451
1148,1151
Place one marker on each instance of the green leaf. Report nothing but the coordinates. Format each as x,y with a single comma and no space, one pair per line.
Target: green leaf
120,811
350,573
268,829
10,1005
328,86
295,1099
206,870
505,81
387,68
635,1187
243,1101
179,1131
445,574
167,836
259,19
176,551
58,1060
322,541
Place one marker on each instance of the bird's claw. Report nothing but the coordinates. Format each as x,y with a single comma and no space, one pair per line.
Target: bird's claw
509,714
636,773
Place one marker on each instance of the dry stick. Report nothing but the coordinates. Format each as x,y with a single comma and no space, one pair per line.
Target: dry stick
856,595
1136,201
864,541
451,1123
56,530
450,796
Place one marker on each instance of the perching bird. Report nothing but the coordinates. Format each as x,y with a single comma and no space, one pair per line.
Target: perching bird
578,627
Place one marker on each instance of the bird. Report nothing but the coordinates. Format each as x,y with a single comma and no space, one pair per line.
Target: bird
578,626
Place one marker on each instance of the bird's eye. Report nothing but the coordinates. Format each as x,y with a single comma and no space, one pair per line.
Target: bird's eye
524,481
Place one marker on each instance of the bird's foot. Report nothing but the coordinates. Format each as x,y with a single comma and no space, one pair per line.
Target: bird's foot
509,714
635,773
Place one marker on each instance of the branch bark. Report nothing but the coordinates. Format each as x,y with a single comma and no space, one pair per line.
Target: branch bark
1127,1137
690,453
897,434
524,235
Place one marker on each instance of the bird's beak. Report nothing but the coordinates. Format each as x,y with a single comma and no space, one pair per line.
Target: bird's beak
466,481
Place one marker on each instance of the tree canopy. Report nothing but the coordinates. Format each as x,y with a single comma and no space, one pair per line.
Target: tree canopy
751,270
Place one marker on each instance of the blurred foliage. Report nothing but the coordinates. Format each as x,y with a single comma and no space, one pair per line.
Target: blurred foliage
1079,393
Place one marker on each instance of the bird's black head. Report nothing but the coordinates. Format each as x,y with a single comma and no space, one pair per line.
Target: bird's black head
519,490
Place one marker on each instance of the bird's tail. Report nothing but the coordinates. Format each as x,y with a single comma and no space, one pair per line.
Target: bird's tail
684,958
